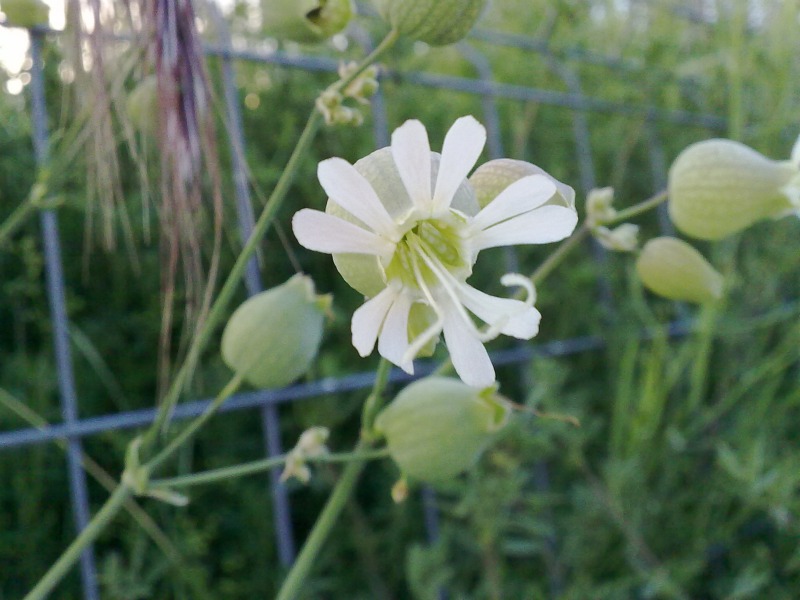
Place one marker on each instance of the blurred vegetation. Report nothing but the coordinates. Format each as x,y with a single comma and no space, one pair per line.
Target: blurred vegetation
681,482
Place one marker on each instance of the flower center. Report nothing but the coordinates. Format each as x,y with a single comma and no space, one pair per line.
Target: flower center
428,241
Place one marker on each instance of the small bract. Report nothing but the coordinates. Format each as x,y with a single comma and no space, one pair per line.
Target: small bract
436,22
719,187
437,427
673,269
305,21
273,337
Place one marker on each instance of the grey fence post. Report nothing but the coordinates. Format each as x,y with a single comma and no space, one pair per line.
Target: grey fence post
58,314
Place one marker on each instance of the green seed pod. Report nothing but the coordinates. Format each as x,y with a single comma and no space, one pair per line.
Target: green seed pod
494,176
305,21
437,427
273,337
673,269
436,22
718,187
362,272
25,13
142,105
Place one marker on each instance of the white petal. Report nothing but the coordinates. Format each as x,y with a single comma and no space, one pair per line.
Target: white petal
322,232
540,226
520,197
368,319
393,341
463,145
349,189
412,155
469,357
521,320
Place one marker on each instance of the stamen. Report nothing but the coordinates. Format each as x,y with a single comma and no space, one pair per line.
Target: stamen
448,282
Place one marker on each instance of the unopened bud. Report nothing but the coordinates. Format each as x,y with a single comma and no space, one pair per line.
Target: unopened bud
673,269
599,209
305,21
436,22
273,337
437,427
623,238
719,187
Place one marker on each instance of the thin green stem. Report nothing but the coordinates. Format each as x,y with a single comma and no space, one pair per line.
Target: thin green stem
71,555
341,492
230,388
101,476
373,402
634,211
15,220
123,492
327,519
568,245
259,466
226,293
552,261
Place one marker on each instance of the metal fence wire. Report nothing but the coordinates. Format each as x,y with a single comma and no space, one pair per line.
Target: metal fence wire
72,429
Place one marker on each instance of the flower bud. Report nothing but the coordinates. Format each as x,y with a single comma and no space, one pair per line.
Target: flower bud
273,337
719,187
142,105
623,238
673,269
599,206
436,22
494,176
25,13
436,427
305,21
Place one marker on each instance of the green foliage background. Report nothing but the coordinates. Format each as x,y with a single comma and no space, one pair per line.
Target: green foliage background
681,482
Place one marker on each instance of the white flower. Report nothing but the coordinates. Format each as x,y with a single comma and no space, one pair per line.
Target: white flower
405,229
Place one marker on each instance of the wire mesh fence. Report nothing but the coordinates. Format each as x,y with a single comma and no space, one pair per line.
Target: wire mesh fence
267,403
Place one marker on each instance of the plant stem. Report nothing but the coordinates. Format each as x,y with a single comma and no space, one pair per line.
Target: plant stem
328,517
341,492
95,527
259,466
16,219
261,227
643,206
117,499
373,404
552,261
230,388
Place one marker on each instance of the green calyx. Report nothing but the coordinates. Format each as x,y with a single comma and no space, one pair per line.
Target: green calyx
673,269
494,176
273,337
305,21
719,187
437,427
436,22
